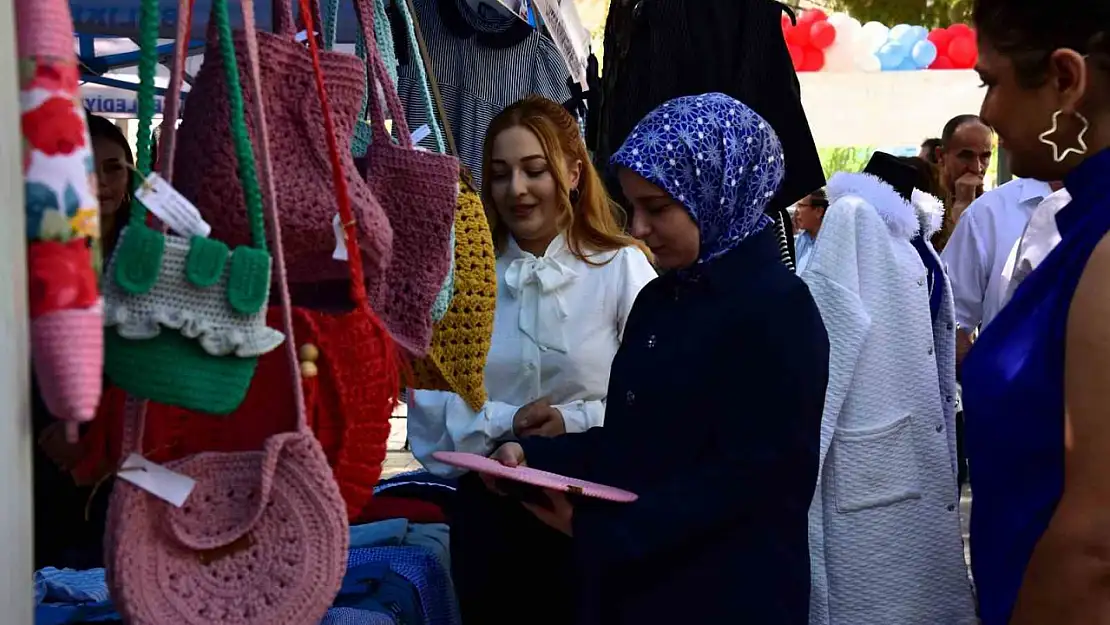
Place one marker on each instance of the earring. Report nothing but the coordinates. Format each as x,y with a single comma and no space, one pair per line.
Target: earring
1056,155
574,196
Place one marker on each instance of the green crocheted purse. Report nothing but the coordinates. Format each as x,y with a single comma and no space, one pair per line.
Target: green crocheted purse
185,318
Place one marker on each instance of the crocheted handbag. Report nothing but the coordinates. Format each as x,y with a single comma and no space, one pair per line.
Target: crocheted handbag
301,157
67,315
185,318
418,190
261,538
350,384
461,340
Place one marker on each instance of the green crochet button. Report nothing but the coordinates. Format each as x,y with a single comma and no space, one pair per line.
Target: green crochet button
248,286
139,259
206,261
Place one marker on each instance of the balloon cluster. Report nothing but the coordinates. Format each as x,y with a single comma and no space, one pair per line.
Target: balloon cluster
956,47
840,43
808,39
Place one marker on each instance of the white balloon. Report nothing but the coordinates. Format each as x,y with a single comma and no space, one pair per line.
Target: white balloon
874,36
869,63
840,60
836,19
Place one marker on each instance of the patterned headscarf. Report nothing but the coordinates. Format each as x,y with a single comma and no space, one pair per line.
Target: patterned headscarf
715,156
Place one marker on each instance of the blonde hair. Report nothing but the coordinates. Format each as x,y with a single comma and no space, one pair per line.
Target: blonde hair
595,222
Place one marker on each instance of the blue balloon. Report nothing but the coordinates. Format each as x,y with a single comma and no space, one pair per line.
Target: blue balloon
891,55
907,65
923,53
920,33
903,34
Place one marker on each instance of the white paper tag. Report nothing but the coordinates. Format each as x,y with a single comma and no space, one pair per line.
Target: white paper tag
157,480
171,207
420,133
340,252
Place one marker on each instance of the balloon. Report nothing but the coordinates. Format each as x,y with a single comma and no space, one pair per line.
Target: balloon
785,21
942,62
797,55
923,54
963,52
960,30
920,33
869,63
873,36
822,35
940,38
798,35
838,18
812,16
907,65
840,59
814,60
903,34
891,55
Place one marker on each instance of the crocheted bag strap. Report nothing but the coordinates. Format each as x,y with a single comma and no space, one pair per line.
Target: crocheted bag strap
339,180
266,170
173,97
379,81
428,83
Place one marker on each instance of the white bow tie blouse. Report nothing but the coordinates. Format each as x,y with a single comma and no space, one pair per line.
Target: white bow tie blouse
557,326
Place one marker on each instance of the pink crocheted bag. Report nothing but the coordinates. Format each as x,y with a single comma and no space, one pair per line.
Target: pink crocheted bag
205,156
419,191
262,538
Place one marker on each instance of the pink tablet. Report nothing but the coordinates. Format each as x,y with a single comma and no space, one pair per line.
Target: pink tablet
535,477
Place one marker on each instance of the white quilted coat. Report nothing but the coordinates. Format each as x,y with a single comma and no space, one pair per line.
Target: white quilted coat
885,539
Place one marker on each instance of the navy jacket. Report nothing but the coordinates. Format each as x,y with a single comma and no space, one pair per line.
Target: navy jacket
713,418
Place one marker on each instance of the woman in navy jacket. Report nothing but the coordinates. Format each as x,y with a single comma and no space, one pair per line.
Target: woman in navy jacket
715,398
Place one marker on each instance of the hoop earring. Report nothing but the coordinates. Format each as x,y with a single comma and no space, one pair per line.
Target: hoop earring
574,195
1056,155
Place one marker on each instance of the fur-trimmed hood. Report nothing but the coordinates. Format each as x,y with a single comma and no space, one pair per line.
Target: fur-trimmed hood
930,212
895,211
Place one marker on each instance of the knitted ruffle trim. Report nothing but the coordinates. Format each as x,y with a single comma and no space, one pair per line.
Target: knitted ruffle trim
246,341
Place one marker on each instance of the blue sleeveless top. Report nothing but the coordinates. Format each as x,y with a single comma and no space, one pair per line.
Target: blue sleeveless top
1013,383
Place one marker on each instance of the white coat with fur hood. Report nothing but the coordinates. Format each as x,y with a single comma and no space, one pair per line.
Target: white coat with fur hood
885,539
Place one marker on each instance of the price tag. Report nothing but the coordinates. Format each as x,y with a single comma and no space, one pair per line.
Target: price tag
340,252
157,480
171,207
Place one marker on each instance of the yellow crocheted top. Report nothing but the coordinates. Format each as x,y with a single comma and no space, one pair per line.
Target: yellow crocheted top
460,341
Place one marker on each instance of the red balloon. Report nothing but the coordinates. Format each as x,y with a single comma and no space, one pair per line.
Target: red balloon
785,21
963,52
960,30
812,16
797,56
822,35
798,35
813,61
942,62
940,38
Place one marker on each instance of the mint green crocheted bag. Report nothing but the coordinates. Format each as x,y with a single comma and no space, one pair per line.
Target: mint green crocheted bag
185,317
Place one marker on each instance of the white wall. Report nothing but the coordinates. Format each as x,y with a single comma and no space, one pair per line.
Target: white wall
16,563
887,108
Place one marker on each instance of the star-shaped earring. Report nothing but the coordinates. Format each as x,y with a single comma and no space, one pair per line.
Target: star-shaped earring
1056,155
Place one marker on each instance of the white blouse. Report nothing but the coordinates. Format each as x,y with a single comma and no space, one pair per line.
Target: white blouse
557,326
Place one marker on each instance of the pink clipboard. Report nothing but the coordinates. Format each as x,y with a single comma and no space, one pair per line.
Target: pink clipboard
535,477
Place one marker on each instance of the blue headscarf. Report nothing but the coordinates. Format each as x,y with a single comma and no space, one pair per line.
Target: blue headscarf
715,156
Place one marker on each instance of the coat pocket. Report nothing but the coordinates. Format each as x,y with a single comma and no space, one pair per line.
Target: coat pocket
875,467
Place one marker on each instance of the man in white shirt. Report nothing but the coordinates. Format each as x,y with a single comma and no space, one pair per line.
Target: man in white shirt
976,254
1035,244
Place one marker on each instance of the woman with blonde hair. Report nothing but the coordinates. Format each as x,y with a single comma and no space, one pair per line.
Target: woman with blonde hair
567,278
